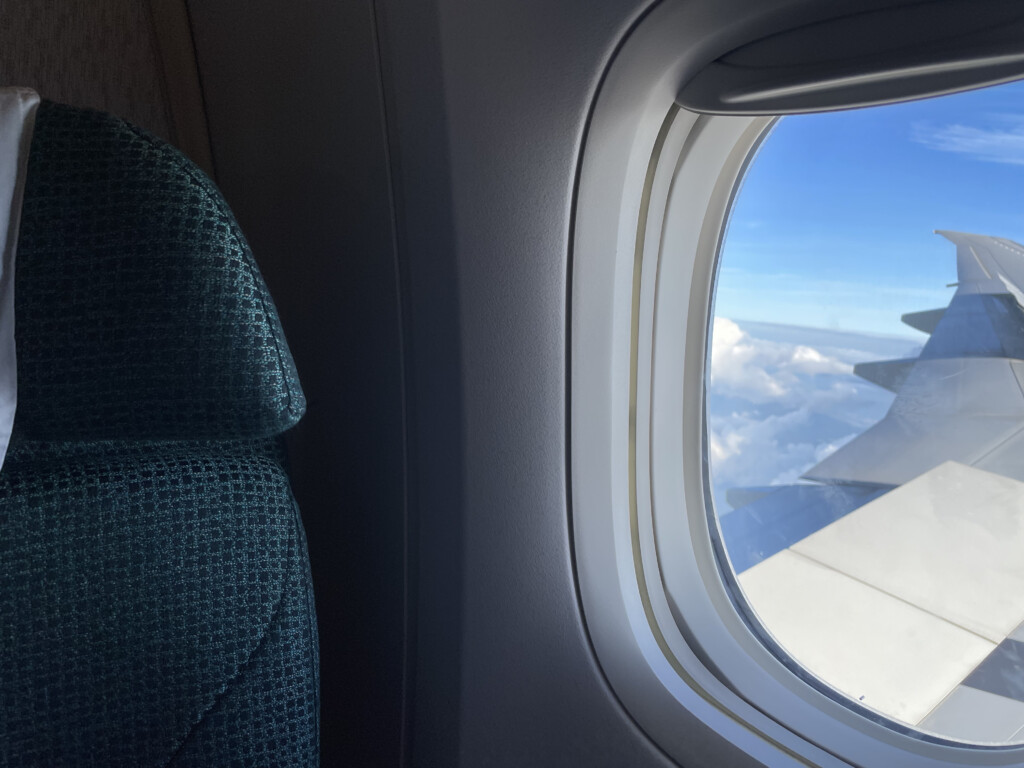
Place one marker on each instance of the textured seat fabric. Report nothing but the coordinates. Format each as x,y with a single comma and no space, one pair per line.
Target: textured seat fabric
155,599
155,605
119,229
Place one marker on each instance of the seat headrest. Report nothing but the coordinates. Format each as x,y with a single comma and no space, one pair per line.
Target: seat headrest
140,312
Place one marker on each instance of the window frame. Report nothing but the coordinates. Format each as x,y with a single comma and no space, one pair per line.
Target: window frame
655,188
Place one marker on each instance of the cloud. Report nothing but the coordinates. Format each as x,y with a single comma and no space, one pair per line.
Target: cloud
761,370
993,145
747,450
724,446
778,407
821,452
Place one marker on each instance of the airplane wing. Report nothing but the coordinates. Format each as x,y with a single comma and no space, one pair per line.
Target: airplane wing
961,398
917,523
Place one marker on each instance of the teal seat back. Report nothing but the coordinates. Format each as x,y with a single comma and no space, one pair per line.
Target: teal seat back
155,599
140,310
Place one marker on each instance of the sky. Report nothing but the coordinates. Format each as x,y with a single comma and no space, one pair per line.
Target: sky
833,224
830,240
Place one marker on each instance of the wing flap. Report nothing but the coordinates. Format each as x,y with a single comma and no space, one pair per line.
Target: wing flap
888,374
925,321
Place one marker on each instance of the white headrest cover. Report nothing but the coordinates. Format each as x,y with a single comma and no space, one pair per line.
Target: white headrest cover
17,112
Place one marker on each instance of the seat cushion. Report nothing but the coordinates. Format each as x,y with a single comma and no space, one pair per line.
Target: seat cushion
140,312
155,609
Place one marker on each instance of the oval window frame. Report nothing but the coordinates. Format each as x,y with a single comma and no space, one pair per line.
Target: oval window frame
655,186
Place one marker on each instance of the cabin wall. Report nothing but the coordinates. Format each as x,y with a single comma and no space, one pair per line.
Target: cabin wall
296,119
504,108
405,172
101,55
129,58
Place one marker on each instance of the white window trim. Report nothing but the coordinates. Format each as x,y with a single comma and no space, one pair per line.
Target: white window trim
656,183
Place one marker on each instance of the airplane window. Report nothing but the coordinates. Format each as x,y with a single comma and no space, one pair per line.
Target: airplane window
865,407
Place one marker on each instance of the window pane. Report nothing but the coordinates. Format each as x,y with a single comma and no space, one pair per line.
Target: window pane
865,406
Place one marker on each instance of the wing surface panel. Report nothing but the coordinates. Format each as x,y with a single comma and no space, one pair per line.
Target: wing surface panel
978,325
925,508
788,514
947,410
986,264
963,398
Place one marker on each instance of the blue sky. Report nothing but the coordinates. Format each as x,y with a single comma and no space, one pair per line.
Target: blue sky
833,225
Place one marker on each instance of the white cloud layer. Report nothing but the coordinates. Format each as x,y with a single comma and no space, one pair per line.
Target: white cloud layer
761,370
994,145
776,408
